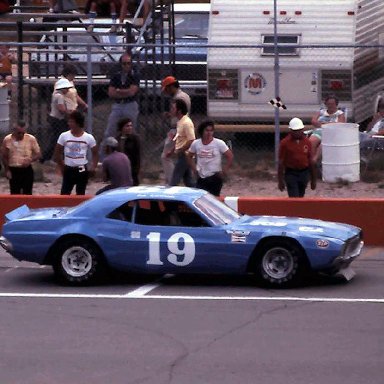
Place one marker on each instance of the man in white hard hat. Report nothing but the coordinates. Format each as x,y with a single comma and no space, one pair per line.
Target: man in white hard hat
296,164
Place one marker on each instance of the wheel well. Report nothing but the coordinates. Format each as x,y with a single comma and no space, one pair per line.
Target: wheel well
51,253
252,263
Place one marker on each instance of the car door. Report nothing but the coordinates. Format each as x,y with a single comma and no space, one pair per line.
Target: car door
170,237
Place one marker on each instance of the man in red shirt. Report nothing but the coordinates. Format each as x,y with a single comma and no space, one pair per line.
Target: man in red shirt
296,162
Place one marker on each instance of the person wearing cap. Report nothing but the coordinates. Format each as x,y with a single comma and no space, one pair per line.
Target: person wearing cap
71,155
116,167
171,88
123,89
57,118
296,163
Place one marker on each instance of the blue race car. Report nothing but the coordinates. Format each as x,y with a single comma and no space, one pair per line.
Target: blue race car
175,230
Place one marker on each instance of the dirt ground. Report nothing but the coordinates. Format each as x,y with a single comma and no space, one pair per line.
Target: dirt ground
49,182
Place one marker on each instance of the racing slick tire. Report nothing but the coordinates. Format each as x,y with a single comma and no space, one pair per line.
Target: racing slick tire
281,263
78,262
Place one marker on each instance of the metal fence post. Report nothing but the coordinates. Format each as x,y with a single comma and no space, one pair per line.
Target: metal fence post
20,96
89,89
277,86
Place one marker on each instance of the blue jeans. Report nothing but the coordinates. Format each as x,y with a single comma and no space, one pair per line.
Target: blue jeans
182,171
121,111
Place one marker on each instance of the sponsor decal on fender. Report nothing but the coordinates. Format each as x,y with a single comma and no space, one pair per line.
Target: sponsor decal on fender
322,243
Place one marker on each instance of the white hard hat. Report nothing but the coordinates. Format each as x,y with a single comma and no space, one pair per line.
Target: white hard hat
63,84
296,124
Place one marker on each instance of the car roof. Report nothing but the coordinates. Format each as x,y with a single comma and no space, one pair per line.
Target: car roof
154,192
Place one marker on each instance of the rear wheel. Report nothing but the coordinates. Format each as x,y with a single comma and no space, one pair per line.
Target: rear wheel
281,263
78,262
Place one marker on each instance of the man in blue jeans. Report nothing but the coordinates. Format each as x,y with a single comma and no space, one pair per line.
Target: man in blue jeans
185,134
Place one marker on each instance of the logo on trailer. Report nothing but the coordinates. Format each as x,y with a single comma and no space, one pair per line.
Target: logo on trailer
255,83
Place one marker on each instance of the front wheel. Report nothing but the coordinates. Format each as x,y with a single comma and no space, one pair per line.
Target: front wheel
281,263
78,262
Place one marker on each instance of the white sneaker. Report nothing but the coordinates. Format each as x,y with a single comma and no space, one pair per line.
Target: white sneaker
50,10
90,28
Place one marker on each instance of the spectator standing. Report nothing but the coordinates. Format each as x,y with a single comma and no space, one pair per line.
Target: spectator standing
131,6
208,152
171,88
116,167
185,134
103,8
296,163
71,155
19,150
129,144
7,58
123,89
331,114
57,119
72,98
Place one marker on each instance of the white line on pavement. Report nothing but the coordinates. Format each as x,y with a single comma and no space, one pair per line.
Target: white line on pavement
141,291
169,297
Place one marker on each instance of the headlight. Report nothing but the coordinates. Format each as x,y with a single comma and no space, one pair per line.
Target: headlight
352,248
6,244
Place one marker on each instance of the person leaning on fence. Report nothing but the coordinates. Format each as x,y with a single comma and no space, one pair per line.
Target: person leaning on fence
71,155
116,167
19,150
331,114
185,134
129,144
72,98
123,89
296,164
57,118
208,152
171,88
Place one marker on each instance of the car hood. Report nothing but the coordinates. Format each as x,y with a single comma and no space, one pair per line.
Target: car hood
25,213
300,226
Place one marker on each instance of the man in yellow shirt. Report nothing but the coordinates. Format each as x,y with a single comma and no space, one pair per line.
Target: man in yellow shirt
18,151
185,134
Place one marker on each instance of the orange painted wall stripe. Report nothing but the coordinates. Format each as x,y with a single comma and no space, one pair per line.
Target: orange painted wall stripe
367,214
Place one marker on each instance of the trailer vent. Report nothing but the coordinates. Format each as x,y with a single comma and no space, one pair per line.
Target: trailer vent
285,45
223,84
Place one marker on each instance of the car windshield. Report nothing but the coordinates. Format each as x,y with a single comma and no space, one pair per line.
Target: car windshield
190,25
215,210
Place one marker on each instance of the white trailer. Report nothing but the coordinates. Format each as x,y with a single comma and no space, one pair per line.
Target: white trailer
241,80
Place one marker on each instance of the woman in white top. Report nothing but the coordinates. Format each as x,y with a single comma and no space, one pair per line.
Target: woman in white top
331,114
208,152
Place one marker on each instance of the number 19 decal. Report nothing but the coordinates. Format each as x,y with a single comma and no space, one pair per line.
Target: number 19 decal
180,256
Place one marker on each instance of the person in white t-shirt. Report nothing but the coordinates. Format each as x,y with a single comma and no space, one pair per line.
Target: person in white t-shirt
208,152
71,155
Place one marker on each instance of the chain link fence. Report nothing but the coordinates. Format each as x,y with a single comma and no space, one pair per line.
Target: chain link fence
239,98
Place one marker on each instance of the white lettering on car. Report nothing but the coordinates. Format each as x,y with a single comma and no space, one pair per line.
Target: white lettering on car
180,245
269,223
311,229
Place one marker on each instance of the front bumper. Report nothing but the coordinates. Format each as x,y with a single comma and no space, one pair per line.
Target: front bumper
6,244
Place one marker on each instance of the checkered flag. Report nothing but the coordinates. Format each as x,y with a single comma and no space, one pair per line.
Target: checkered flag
277,103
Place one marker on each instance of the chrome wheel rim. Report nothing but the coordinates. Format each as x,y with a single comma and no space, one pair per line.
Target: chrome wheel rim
76,261
278,263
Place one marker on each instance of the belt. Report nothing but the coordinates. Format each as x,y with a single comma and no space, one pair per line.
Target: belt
80,168
296,170
123,101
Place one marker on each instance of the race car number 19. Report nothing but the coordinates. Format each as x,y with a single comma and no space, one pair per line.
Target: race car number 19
180,256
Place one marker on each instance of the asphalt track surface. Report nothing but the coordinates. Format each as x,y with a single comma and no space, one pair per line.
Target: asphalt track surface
191,330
